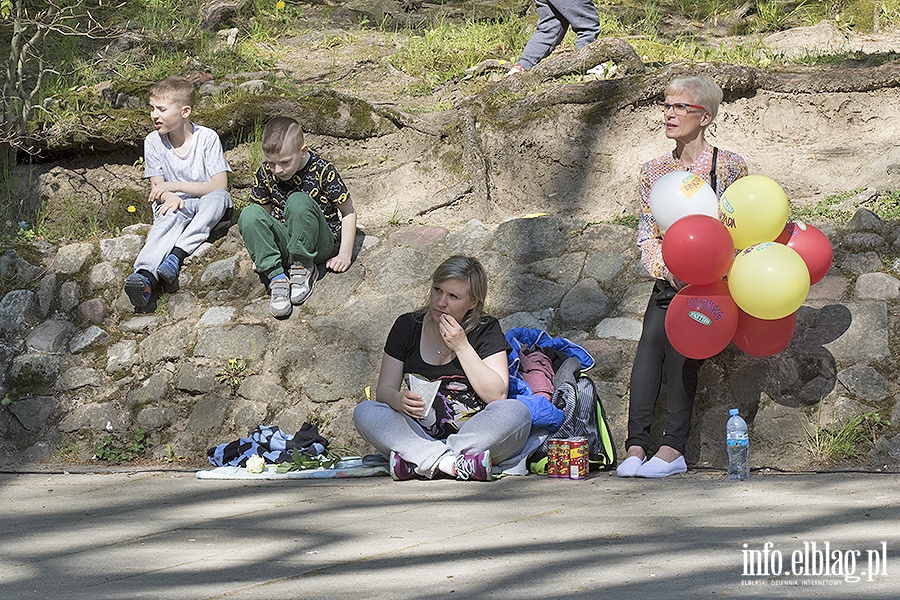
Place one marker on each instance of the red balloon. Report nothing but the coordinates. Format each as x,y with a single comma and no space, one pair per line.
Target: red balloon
761,337
698,249
811,244
701,319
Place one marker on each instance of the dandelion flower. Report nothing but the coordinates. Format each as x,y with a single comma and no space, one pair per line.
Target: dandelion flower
279,5
131,209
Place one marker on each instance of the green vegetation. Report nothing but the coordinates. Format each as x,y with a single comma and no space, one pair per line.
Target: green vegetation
836,208
119,448
850,440
232,374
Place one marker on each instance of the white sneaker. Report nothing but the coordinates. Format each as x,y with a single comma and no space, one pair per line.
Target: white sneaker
280,298
629,467
303,281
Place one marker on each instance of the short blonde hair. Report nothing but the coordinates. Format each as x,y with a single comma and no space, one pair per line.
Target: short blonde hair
279,133
175,88
701,88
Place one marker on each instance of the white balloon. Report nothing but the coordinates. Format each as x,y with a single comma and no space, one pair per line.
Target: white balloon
680,193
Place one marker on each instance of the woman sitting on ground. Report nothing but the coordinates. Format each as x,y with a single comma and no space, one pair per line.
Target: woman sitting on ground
451,343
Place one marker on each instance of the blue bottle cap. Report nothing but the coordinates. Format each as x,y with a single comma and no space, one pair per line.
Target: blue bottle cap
733,412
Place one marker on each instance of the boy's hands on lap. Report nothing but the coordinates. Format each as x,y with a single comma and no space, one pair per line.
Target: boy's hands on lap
170,202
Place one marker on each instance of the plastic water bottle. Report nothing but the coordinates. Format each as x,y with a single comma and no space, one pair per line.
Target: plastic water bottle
738,446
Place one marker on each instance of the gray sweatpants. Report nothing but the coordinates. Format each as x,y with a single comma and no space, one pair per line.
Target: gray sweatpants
501,427
554,18
186,228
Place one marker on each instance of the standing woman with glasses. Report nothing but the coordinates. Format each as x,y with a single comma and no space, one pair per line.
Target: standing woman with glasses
690,105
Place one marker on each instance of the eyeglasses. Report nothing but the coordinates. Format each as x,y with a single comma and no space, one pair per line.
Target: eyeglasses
679,108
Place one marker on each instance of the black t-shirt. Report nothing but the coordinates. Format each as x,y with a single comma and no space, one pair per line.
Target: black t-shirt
456,401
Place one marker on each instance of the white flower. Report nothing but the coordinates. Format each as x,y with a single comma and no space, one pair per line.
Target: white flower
256,464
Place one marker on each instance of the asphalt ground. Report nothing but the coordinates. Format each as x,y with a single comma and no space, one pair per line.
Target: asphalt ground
166,534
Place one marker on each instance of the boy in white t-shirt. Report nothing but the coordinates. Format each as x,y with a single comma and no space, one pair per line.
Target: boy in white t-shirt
189,179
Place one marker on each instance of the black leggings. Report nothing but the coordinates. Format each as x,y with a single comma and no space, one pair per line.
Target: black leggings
654,351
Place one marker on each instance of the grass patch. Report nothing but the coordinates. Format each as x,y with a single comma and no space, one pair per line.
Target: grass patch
835,208
850,440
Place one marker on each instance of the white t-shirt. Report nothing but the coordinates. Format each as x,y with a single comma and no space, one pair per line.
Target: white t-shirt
204,158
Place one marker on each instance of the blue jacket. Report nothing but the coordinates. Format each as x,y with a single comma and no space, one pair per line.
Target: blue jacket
543,412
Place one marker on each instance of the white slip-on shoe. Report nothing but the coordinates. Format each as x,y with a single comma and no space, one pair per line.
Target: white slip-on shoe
657,467
629,467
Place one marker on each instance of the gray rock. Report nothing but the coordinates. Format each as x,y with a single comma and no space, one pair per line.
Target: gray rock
836,411
195,379
344,377
542,319
249,415
164,344
15,308
69,295
865,262
863,241
123,248
142,323
254,86
261,388
91,336
623,328
220,273
584,305
216,316
93,417
604,266
208,414
46,292
517,291
877,286
471,239
78,377
831,288
105,274
121,356
634,300
564,270
34,369
530,240
864,219
887,449
34,411
154,418
154,389
50,336
70,259
418,236
864,382
15,271
866,338
247,342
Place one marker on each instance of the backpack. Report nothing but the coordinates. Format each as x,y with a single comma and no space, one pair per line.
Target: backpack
584,417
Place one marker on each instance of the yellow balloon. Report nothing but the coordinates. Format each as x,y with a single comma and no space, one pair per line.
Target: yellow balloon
768,281
754,209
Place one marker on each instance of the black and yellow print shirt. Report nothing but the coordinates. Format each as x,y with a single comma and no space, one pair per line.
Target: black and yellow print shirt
318,178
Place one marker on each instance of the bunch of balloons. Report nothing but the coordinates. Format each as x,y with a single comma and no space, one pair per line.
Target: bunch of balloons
748,268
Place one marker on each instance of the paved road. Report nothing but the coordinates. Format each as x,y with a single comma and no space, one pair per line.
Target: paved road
169,535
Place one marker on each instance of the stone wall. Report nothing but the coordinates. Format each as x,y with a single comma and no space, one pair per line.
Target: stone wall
76,362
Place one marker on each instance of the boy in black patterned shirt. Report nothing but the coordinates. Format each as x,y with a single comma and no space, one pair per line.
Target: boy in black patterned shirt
300,215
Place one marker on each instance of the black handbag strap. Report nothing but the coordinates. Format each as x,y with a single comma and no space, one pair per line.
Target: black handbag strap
712,171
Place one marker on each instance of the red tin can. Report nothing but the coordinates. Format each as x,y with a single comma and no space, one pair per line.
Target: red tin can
578,458
557,458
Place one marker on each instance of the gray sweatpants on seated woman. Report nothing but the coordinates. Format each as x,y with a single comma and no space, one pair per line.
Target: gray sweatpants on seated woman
501,427
186,229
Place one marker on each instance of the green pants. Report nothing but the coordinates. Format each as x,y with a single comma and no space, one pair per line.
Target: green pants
303,239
